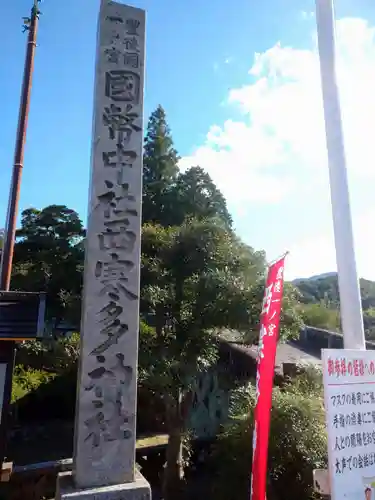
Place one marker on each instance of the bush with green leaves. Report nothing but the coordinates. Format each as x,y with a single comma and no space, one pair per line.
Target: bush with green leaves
26,381
53,355
45,378
320,316
297,442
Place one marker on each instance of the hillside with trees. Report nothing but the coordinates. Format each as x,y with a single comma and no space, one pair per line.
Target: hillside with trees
320,302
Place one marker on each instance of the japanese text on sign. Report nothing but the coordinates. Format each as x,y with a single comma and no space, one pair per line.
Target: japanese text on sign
349,392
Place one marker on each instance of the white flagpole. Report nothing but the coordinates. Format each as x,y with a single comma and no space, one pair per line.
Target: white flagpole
350,299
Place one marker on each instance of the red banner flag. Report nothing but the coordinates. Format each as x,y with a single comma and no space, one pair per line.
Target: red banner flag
268,335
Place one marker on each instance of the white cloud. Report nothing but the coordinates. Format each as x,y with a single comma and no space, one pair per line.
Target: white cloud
282,127
228,156
278,149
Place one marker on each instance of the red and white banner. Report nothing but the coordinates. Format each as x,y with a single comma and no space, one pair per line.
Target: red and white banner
268,335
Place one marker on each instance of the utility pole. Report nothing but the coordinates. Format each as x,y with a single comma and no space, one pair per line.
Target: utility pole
350,297
7,348
30,25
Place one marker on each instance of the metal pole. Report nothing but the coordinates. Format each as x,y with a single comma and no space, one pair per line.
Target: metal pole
10,228
7,349
350,298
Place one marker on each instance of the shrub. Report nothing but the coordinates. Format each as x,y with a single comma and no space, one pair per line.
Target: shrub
44,382
54,399
25,381
297,443
308,382
54,355
320,316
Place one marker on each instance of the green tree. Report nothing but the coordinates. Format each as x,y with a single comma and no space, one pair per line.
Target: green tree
320,316
325,289
171,196
321,299
369,323
318,289
159,168
197,279
290,319
49,257
196,195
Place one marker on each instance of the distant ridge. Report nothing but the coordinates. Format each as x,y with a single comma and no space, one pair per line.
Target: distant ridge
316,277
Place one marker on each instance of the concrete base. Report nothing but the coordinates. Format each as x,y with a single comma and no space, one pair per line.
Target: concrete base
138,490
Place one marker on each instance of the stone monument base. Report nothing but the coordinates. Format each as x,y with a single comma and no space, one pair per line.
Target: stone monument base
138,490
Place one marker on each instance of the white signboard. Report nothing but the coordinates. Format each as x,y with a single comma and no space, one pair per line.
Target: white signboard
349,392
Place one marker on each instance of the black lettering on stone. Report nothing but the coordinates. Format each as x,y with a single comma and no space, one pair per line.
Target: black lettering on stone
101,430
117,240
118,201
113,269
122,86
120,157
113,55
115,19
121,120
131,44
112,326
131,59
119,371
132,26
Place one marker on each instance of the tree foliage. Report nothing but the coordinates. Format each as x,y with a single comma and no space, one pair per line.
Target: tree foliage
49,257
169,195
197,278
320,294
325,289
290,319
319,290
196,195
320,316
160,169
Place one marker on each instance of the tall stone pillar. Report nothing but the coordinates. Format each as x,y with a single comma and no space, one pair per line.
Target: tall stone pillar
105,428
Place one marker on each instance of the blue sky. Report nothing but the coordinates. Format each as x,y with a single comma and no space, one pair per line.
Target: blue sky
259,135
